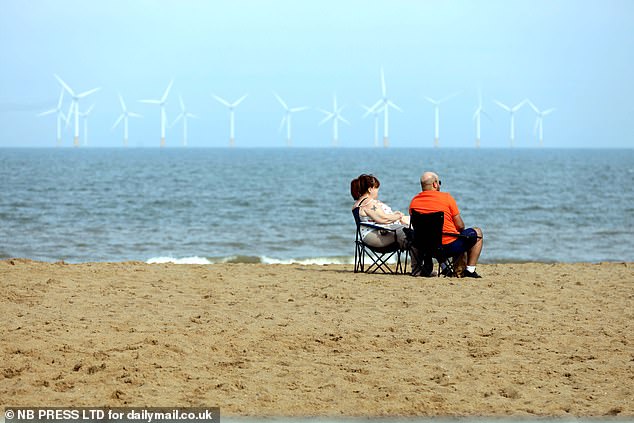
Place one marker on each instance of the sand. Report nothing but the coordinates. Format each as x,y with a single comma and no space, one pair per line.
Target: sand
292,340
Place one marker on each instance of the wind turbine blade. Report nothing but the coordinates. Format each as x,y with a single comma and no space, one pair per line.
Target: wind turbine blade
150,101
535,109
178,119
122,103
240,100
180,99
136,115
167,91
449,97
282,124
327,118
343,119
280,100
117,122
61,99
191,115
394,106
519,105
477,112
48,112
383,87
502,105
298,109
87,112
221,100
87,93
368,110
377,104
547,112
65,85
432,101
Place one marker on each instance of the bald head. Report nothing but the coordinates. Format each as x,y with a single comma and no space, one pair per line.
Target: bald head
428,180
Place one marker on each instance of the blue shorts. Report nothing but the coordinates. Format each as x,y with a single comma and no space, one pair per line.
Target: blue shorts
460,245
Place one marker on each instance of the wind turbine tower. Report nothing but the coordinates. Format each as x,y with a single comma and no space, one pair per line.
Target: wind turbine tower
85,116
385,103
539,122
335,116
231,107
161,102
375,114
125,114
60,116
477,117
511,111
74,106
437,104
286,119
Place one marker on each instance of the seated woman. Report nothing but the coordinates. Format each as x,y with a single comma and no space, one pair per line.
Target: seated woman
365,191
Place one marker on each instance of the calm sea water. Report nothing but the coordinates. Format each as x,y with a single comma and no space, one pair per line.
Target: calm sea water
282,205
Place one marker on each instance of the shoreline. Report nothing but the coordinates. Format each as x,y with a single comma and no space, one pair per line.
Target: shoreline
287,340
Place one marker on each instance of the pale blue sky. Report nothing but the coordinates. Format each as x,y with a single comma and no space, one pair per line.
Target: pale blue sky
575,56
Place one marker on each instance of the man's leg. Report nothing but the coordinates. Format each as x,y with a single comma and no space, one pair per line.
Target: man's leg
474,252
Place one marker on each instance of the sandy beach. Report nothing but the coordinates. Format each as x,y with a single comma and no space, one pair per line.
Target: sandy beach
293,340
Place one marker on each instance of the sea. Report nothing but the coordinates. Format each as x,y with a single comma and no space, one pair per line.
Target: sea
293,205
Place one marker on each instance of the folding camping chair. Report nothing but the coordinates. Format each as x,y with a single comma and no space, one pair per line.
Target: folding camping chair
378,256
428,241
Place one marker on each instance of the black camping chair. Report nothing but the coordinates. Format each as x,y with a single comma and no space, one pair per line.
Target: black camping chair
378,256
428,242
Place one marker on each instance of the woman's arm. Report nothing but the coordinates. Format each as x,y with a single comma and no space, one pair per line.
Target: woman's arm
376,213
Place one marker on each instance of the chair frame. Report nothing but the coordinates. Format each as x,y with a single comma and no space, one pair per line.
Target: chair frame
378,255
430,243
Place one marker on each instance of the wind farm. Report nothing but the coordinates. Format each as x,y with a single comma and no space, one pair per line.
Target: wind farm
379,111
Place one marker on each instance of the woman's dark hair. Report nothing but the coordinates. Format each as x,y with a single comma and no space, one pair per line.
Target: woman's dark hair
362,184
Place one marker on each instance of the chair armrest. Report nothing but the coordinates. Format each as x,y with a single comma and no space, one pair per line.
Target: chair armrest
380,228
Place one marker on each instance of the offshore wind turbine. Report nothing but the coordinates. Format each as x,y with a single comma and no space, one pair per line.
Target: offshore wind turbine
375,114
385,103
477,115
231,107
512,111
84,116
335,116
60,116
184,115
125,114
74,106
539,122
161,102
437,104
286,119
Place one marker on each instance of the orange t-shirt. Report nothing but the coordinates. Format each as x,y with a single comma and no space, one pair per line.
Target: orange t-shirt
435,201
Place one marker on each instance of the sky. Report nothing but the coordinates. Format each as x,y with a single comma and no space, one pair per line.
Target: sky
574,56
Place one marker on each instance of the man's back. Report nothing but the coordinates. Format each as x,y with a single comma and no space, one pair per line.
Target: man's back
434,201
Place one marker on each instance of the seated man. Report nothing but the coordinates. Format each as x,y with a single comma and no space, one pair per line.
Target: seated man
431,200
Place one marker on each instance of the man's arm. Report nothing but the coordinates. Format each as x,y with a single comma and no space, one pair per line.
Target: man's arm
457,220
